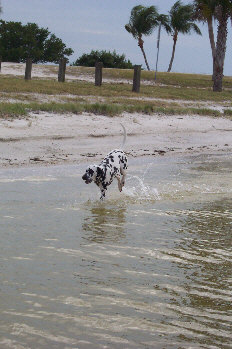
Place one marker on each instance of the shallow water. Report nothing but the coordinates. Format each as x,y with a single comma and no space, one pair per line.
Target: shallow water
147,268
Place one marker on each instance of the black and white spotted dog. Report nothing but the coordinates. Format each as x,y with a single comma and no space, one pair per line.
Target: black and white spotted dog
114,165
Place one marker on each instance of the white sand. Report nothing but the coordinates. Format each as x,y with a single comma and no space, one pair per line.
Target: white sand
46,138
53,138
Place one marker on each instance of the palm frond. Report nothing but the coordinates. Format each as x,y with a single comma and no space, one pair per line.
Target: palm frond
165,22
142,20
205,9
131,30
181,18
196,28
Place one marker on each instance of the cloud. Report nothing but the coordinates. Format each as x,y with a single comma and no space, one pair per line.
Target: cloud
94,32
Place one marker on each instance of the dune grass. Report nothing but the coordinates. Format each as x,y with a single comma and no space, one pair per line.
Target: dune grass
23,109
12,109
228,112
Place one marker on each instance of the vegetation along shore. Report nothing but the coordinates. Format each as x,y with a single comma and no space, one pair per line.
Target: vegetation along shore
46,122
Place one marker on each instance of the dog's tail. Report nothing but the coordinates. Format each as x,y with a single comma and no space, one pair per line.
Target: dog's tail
124,140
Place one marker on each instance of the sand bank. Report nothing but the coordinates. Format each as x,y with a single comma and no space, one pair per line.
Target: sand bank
46,139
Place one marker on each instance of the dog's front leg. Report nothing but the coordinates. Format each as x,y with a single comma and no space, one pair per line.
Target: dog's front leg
123,172
103,191
123,180
119,183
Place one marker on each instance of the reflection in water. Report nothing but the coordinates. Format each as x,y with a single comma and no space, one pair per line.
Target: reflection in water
104,223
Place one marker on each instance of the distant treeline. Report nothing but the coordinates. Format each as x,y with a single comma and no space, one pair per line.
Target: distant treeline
19,42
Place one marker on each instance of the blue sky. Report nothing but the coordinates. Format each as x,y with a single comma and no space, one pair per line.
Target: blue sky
99,25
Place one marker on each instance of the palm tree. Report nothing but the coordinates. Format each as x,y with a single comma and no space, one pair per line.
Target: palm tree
165,23
204,11
142,21
181,21
223,11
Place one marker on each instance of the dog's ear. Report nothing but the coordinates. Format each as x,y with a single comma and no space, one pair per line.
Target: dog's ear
99,172
90,171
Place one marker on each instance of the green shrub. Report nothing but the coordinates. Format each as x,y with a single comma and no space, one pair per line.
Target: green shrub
109,60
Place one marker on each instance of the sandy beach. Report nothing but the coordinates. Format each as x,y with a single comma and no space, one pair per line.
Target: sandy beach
46,139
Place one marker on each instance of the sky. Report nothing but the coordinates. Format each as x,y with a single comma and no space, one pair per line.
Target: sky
86,25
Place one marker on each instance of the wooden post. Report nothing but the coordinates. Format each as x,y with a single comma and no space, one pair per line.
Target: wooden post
0,64
136,78
28,70
98,73
62,70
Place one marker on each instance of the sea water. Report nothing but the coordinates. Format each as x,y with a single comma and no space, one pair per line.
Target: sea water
147,268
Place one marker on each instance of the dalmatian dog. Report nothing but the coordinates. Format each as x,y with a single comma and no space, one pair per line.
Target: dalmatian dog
114,165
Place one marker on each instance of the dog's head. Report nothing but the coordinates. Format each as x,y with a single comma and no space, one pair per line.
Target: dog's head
91,174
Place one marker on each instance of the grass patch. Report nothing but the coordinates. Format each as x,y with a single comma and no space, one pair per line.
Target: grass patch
52,107
104,109
172,79
12,110
204,112
76,108
163,97
228,112
23,109
79,88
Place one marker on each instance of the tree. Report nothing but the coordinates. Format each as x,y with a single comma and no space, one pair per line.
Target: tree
109,60
181,21
223,11
19,42
204,12
142,21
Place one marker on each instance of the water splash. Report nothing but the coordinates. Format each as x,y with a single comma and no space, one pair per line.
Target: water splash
140,190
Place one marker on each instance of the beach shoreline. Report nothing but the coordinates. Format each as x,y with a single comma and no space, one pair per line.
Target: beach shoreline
52,139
